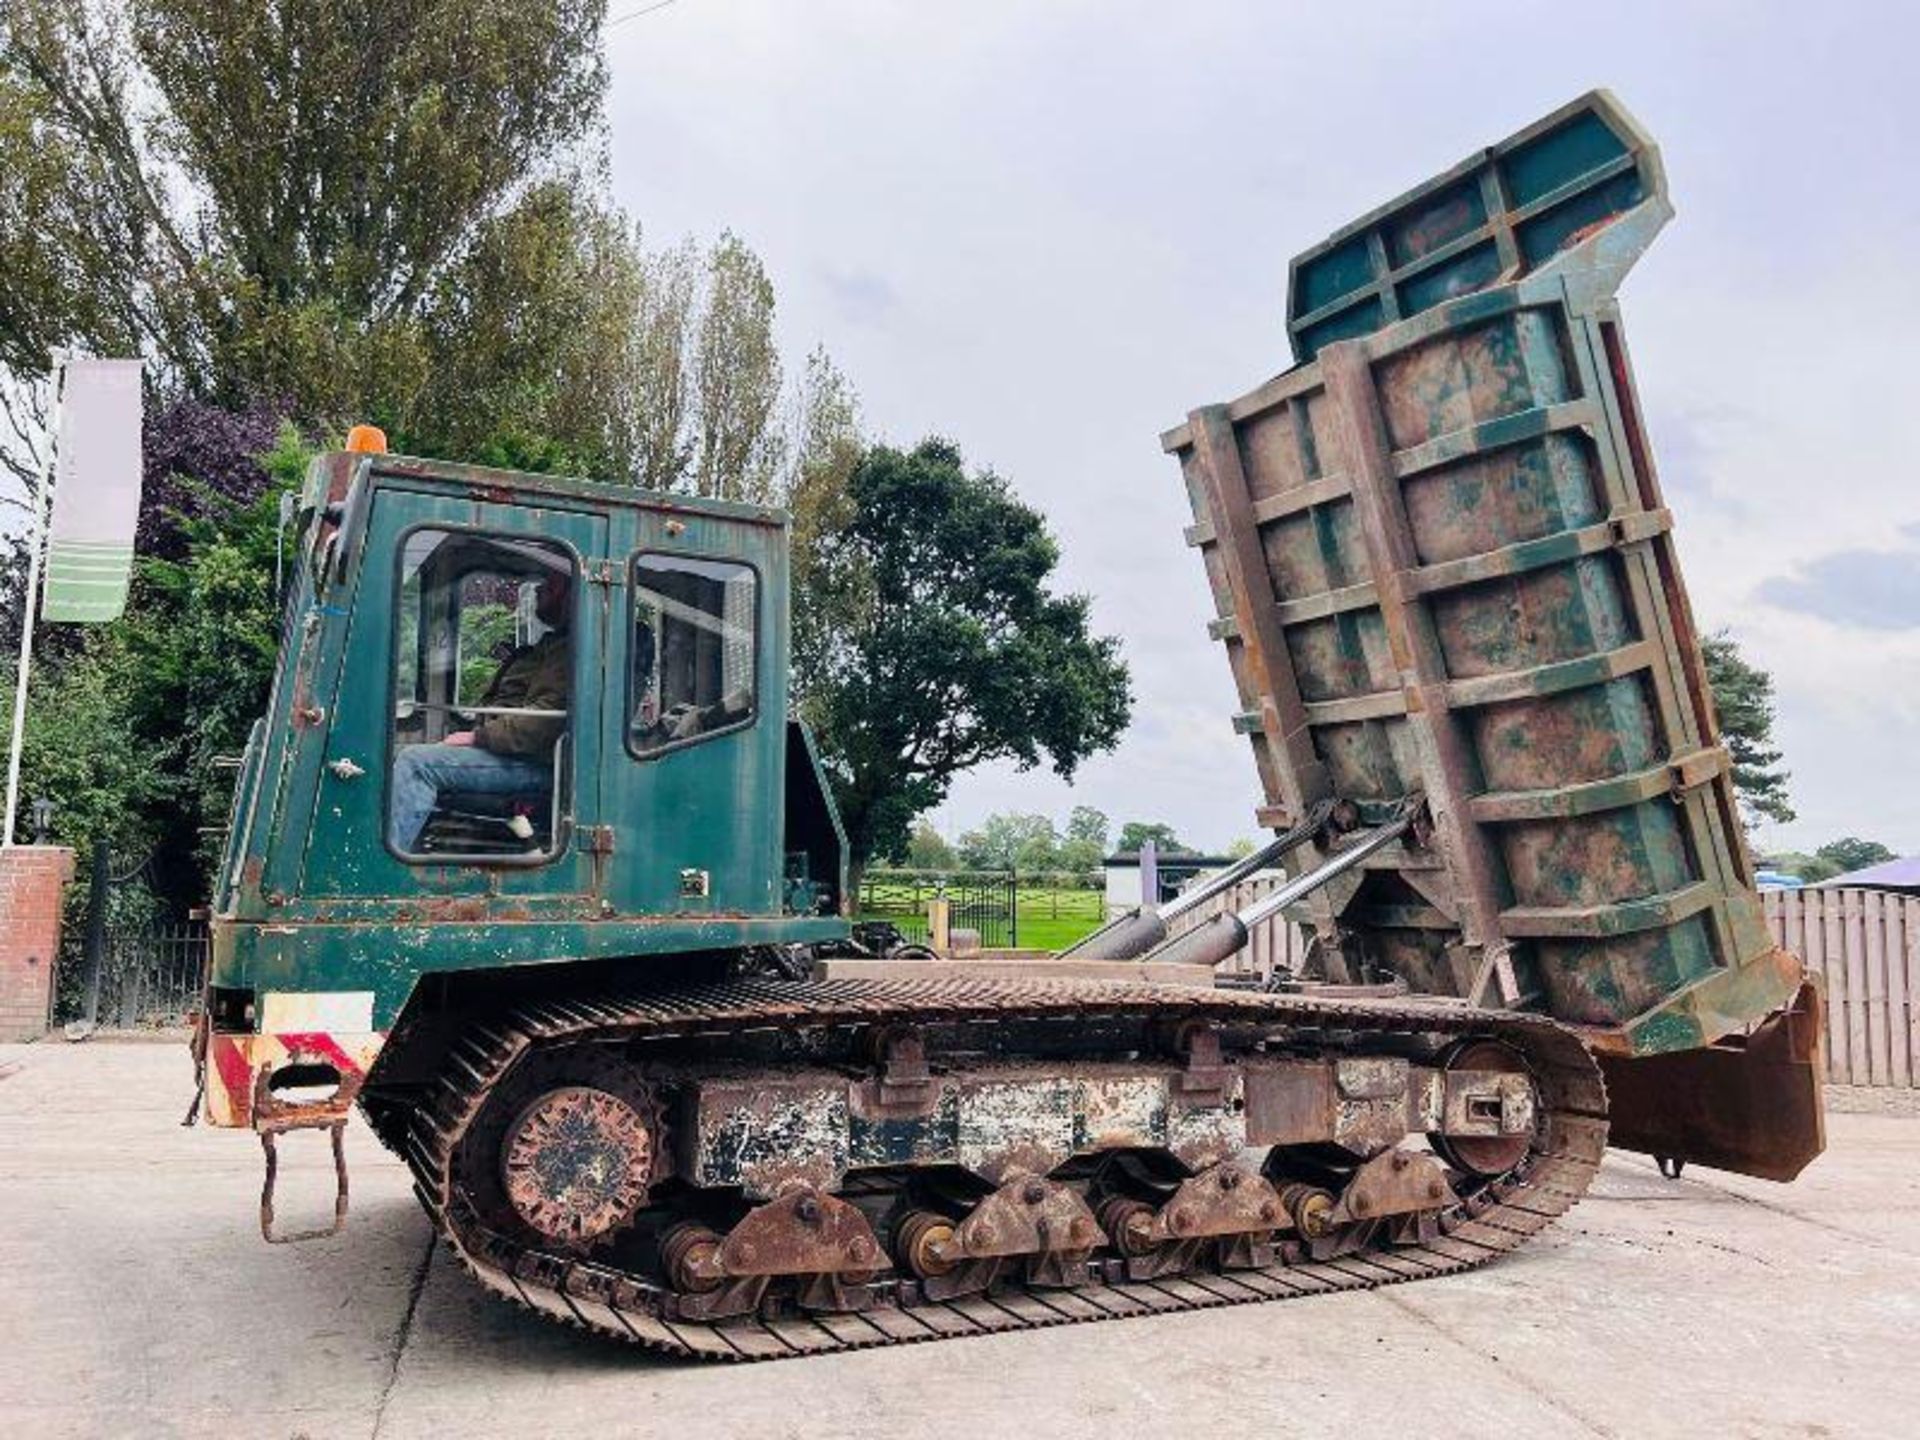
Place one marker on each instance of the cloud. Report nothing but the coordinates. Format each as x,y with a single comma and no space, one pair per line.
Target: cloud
863,297
1690,454
1871,589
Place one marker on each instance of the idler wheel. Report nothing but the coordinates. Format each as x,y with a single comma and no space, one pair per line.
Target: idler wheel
915,1239
575,1164
1483,1155
690,1253
1128,1222
1311,1209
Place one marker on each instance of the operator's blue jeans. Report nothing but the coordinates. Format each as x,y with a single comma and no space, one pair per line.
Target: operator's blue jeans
421,772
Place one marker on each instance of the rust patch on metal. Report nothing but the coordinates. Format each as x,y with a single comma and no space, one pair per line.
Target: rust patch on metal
576,1162
1751,1104
769,1131
1025,1216
272,1112
1045,1226
1289,1102
1488,1111
1228,1199
1015,1125
1399,1182
803,1232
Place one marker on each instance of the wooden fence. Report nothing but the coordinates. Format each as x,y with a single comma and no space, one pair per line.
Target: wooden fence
1867,945
1277,943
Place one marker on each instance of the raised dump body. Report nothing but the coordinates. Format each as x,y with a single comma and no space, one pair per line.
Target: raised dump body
1442,566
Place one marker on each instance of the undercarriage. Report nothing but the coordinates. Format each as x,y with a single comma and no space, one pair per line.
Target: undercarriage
762,1168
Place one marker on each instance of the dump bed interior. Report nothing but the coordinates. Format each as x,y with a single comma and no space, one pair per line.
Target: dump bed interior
1442,565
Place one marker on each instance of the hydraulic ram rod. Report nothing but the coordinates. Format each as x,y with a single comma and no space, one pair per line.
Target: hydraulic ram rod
1226,935
1133,934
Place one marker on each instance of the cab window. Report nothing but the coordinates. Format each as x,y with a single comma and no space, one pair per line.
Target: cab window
695,627
483,669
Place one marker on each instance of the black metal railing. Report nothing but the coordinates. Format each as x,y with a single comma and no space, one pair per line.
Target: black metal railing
150,976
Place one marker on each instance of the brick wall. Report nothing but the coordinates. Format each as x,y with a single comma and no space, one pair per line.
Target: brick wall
31,879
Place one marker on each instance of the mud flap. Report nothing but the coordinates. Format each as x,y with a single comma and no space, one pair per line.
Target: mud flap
1747,1103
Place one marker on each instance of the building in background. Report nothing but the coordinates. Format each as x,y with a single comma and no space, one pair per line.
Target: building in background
1902,876
1176,872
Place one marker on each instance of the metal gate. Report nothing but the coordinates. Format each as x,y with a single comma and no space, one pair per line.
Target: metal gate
149,975
987,901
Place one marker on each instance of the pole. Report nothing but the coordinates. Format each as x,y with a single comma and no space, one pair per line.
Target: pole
1338,864
36,539
97,894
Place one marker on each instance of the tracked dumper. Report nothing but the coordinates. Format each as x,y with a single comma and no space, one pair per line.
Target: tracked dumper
529,862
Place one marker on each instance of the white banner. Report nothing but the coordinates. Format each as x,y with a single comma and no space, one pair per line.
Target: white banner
96,502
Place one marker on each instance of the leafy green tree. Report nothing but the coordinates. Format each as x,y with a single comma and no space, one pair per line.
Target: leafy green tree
1088,825
945,649
1743,697
1027,843
1852,853
528,342
1084,845
76,753
290,181
368,212
202,637
825,446
1136,833
927,849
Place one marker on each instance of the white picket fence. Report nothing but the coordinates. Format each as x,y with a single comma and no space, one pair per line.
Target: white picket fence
1866,943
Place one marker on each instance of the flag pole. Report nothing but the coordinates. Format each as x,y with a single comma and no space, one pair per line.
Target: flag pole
36,540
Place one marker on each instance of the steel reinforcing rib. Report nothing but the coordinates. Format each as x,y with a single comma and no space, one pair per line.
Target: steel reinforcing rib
1568,1146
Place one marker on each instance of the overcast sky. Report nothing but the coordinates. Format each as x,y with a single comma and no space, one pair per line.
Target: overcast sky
1048,230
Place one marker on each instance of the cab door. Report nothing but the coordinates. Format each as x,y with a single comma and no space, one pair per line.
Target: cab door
691,789
457,648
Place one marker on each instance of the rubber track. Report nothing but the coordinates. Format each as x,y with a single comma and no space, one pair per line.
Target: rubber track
1568,1146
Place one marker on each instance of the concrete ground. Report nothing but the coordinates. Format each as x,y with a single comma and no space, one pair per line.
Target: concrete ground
137,1298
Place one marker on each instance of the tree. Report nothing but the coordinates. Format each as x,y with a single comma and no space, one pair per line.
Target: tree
529,342
1136,833
1085,843
946,648
831,592
309,200
1089,825
1027,843
201,642
927,849
75,751
1852,853
1743,698
706,375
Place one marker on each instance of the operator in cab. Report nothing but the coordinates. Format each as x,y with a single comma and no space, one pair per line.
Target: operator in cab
504,754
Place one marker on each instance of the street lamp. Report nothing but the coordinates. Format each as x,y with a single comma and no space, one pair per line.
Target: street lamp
42,819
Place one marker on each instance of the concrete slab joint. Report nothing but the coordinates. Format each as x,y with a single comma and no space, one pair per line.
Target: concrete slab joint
33,879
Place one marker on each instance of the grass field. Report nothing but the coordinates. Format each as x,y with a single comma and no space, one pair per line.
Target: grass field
1050,917
1054,919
